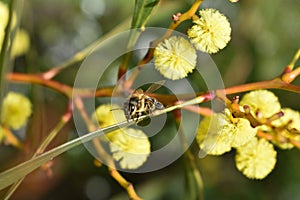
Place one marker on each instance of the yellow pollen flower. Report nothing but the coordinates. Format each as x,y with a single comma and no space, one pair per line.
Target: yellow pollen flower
21,43
263,101
106,116
290,119
16,108
214,134
241,130
211,31
175,57
3,14
218,134
131,147
256,159
289,115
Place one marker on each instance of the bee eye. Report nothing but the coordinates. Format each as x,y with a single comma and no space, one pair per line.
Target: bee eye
158,105
131,107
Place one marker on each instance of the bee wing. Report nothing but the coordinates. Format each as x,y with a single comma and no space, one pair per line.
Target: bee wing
155,86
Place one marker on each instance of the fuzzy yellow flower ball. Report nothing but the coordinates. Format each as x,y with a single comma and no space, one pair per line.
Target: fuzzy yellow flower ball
211,31
3,14
3,21
289,115
241,130
214,134
290,119
21,43
218,134
105,116
175,57
280,138
131,147
16,108
256,159
263,101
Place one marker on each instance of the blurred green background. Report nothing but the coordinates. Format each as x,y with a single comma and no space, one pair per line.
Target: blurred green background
265,37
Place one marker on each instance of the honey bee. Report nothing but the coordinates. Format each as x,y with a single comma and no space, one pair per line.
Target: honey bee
139,103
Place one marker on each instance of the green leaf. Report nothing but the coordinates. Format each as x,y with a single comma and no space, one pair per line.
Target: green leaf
12,175
142,11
